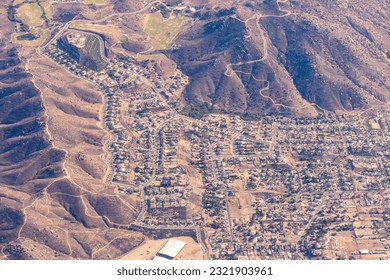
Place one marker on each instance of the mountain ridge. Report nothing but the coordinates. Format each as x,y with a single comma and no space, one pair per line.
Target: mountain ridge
313,56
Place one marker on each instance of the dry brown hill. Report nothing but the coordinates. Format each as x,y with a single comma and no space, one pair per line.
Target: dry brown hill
54,199
286,56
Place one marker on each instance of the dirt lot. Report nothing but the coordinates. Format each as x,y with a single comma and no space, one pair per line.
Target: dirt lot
147,251
240,206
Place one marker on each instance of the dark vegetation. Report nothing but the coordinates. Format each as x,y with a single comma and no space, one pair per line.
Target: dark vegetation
16,252
65,13
28,37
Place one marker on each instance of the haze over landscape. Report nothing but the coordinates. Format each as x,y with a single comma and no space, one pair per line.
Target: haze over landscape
243,129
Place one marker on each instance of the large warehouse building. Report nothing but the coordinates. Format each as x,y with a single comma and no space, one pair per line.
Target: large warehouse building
170,250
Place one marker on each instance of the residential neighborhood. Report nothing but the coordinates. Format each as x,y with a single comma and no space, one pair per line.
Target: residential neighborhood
269,188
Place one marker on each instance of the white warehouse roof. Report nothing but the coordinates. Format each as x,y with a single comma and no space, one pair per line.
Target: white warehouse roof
172,248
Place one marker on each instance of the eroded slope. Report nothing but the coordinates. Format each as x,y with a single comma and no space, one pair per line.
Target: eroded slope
286,57
54,200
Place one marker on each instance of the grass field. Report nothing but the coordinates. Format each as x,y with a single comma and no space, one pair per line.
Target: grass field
162,31
42,36
149,57
17,2
108,30
30,14
98,2
123,38
48,9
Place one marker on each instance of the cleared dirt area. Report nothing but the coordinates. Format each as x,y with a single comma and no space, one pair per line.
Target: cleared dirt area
183,159
346,243
241,206
149,249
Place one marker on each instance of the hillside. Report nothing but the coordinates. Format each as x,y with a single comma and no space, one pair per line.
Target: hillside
54,200
66,131
90,53
287,57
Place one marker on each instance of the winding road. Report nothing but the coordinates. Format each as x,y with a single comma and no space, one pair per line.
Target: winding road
67,25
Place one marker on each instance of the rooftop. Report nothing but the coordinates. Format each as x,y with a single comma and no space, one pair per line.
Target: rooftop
171,248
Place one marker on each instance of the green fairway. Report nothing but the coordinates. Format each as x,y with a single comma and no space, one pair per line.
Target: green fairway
48,9
99,2
162,31
30,14
149,57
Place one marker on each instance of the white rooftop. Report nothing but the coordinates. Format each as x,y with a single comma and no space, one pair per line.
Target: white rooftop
172,248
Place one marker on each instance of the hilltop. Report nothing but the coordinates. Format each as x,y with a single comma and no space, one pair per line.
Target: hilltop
288,57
